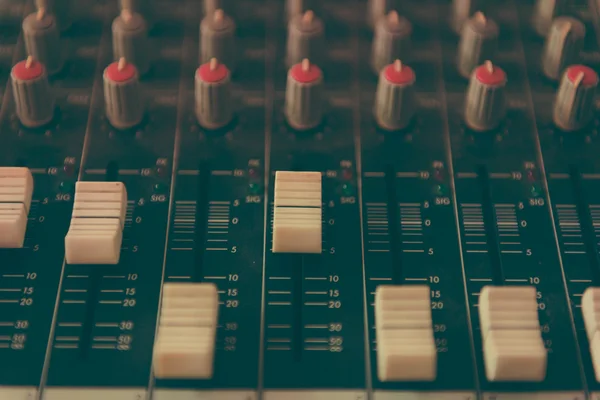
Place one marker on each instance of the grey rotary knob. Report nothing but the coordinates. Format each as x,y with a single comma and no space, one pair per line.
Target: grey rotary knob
478,42
485,105
305,39
42,40
34,100
574,106
213,95
299,7
143,7
395,97
391,41
210,6
130,40
563,45
122,95
461,11
379,8
544,13
61,9
303,96
217,39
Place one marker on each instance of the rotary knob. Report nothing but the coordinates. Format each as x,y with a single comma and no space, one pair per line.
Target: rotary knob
213,95
544,13
34,100
217,39
563,45
303,96
143,7
391,40
210,6
305,39
574,106
478,42
461,11
395,102
485,105
61,9
294,8
130,40
42,40
122,95
379,8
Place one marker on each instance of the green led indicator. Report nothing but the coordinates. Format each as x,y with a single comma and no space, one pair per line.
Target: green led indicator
347,189
254,188
535,190
66,187
160,188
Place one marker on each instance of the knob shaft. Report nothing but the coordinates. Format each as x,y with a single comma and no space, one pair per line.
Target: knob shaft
130,40
123,95
303,96
213,95
61,9
478,42
461,11
42,40
391,41
485,105
299,7
305,39
544,13
143,7
379,8
34,100
574,106
217,39
563,44
395,102
210,6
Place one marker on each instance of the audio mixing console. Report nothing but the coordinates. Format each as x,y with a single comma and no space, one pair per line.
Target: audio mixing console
285,200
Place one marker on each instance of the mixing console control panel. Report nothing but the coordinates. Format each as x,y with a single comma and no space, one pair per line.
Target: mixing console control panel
299,199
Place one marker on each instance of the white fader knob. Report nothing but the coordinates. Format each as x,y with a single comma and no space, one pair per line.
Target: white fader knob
16,188
590,307
513,347
185,342
297,221
406,348
97,222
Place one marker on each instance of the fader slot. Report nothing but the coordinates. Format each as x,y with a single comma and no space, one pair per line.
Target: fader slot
587,228
297,265
394,220
490,224
96,273
202,190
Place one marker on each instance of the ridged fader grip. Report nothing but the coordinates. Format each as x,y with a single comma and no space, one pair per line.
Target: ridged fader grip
42,40
213,95
122,95
303,96
34,100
